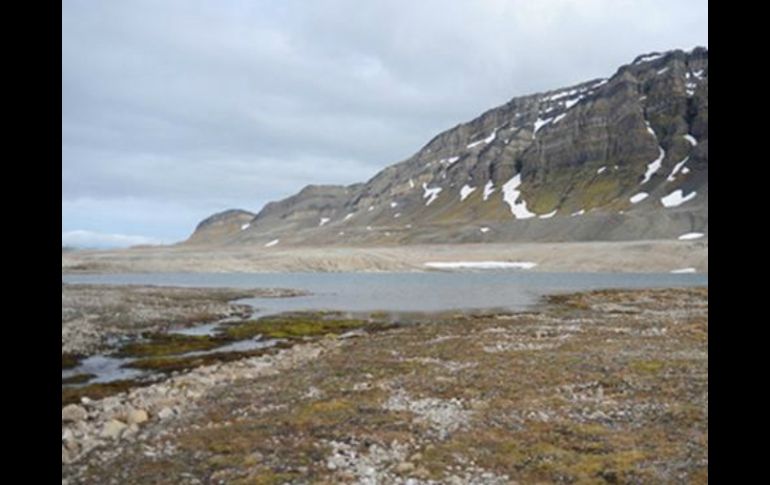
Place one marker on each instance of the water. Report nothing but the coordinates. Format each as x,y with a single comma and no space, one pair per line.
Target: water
403,292
370,292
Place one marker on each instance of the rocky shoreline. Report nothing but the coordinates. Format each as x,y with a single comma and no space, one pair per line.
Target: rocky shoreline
94,315
604,386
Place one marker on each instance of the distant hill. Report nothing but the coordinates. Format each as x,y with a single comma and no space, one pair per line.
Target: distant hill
621,158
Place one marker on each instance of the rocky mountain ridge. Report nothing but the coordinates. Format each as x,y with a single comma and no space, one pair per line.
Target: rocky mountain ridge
621,158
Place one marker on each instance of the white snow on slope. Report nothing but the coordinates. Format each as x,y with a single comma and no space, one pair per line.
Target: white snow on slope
683,270
272,243
649,128
602,169
676,169
482,265
691,235
676,198
466,191
691,139
430,193
549,215
323,221
484,229
578,213
539,123
411,183
448,161
572,102
511,195
485,140
648,58
348,216
654,166
559,118
245,226
636,198
393,205
488,189
662,71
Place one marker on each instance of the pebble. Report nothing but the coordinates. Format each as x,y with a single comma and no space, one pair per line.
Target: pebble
113,428
73,413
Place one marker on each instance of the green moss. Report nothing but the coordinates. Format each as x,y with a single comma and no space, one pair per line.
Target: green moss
77,379
70,395
173,364
647,366
290,327
69,361
163,344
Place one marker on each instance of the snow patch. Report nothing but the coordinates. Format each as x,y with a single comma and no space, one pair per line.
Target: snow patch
348,216
396,215
393,205
539,123
549,215
635,199
654,166
676,198
272,243
448,161
663,71
411,183
578,213
511,195
684,270
371,208
488,189
602,169
649,129
559,118
691,235
648,58
676,169
484,141
430,193
323,221
466,191
482,265
245,226
484,229
691,139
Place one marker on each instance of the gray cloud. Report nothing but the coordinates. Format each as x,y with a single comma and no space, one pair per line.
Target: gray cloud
191,107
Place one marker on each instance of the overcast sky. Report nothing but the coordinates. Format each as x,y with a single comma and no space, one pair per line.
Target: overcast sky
173,110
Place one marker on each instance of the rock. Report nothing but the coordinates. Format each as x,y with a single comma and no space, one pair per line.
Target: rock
73,413
112,429
404,467
130,430
165,413
136,416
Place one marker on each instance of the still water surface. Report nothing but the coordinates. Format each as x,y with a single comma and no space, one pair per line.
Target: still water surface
403,292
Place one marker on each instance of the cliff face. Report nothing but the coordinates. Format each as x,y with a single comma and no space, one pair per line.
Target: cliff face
609,159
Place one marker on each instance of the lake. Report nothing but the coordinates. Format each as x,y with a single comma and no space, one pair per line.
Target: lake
403,292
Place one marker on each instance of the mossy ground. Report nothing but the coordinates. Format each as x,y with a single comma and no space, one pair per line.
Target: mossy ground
599,387
77,379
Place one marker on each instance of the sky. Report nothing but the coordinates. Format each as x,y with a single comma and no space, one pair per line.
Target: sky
173,110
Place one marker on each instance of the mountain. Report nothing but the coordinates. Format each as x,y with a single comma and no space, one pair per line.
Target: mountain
623,158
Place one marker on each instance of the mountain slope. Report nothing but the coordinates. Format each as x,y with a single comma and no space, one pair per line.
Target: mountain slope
622,158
